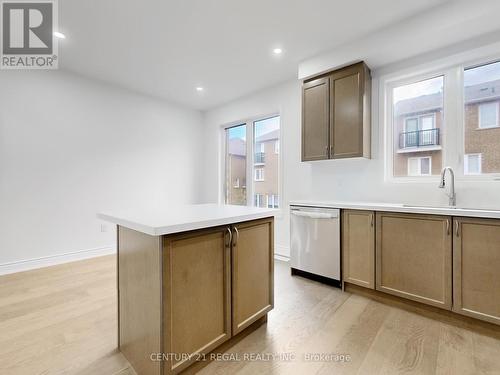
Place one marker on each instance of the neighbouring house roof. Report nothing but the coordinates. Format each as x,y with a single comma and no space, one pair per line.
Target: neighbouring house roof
237,146
485,91
271,136
427,103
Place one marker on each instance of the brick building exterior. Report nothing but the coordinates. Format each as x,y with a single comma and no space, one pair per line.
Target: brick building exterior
265,173
419,131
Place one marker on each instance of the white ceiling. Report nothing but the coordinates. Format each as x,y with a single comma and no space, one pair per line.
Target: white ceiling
166,48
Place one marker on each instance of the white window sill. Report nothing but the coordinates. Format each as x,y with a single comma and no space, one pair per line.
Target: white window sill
489,127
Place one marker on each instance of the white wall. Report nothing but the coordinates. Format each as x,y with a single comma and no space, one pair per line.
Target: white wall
71,147
360,180
445,26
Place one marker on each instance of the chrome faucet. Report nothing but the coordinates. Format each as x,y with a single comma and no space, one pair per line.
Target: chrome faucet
451,195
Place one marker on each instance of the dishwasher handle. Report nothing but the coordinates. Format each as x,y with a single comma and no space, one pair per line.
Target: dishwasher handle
314,215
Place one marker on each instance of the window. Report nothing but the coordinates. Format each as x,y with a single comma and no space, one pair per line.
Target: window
488,115
236,164
416,126
273,201
472,164
263,169
424,132
421,166
259,200
420,131
259,174
481,146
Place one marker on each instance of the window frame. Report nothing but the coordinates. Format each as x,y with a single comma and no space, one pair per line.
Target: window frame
250,149
452,68
388,84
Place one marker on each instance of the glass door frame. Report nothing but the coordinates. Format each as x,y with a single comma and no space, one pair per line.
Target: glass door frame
250,125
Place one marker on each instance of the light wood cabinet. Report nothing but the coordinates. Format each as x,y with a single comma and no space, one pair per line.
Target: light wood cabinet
414,257
476,268
315,119
358,247
252,272
336,110
350,93
196,294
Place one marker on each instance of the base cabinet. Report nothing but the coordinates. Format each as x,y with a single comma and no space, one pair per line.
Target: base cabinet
450,263
216,283
183,295
252,272
413,257
196,295
476,268
358,247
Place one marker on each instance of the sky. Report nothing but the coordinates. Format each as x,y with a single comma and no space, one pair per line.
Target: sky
427,87
261,127
472,76
482,74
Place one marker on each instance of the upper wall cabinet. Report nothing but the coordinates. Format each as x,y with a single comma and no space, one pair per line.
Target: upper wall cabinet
336,114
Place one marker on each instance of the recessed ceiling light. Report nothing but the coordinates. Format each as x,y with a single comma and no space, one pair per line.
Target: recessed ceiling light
277,51
59,35
199,89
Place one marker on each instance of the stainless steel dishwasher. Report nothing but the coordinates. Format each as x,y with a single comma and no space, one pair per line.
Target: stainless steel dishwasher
315,243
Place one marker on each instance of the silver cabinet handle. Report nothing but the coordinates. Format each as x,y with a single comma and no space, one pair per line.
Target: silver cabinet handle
371,220
228,244
457,226
447,227
236,237
331,150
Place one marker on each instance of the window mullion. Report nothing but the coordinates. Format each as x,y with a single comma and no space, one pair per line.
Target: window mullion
455,124
250,163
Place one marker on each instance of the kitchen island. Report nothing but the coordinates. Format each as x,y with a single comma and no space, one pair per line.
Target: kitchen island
189,279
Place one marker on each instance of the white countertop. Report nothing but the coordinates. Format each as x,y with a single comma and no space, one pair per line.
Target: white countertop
394,207
176,219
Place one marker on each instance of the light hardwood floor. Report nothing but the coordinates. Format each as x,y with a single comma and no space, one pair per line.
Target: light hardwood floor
62,320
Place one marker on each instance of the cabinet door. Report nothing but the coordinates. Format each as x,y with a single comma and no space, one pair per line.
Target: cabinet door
315,119
196,294
358,247
252,272
346,112
476,268
413,257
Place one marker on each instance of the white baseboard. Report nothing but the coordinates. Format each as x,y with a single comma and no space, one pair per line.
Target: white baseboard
282,253
52,260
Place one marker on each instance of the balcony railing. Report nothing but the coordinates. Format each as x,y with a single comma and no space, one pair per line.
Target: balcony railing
260,158
419,138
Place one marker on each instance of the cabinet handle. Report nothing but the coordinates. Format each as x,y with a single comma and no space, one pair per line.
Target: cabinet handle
236,237
371,223
230,237
457,226
331,150
448,227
